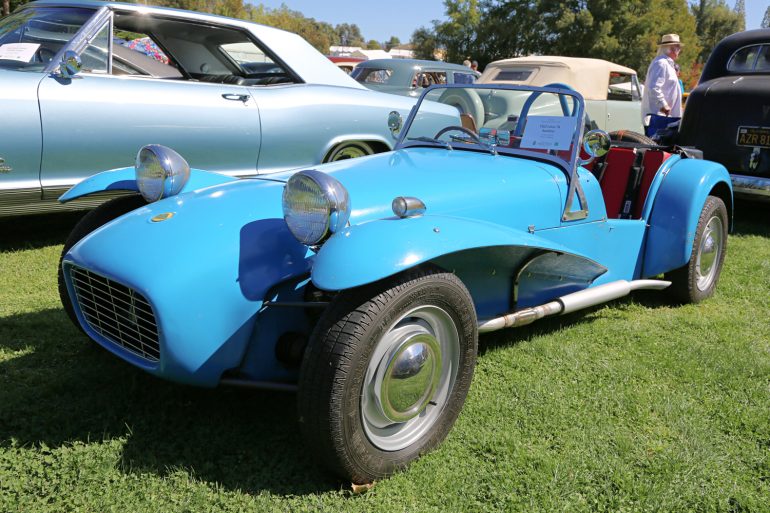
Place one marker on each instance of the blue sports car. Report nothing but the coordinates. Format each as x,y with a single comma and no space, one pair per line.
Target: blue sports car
364,284
84,84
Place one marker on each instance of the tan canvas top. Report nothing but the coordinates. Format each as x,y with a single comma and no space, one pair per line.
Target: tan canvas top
590,77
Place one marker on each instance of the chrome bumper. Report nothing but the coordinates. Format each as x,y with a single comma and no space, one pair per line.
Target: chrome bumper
751,186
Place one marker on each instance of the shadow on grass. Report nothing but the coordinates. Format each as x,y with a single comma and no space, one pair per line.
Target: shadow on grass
59,387
752,218
36,231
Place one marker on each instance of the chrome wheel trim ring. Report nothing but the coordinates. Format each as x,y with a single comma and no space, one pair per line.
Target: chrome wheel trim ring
423,321
709,254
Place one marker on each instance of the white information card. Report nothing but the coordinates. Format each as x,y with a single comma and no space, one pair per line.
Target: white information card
548,132
18,51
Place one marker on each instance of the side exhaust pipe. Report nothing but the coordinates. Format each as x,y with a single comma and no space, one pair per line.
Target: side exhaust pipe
571,303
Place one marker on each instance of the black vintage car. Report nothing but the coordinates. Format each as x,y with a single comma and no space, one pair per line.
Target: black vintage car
728,114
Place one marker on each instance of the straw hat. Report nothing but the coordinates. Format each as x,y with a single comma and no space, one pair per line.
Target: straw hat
670,39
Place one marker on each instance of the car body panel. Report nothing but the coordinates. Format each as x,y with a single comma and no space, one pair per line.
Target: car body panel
124,179
727,101
227,280
256,129
677,206
20,148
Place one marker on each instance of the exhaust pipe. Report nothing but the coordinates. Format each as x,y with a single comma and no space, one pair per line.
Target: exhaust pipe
571,303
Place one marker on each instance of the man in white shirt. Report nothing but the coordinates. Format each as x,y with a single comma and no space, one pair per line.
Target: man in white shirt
662,94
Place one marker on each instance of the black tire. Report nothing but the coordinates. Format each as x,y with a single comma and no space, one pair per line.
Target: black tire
689,283
630,136
91,221
358,333
349,150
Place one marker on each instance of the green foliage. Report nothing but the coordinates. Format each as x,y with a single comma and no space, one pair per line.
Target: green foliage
458,35
391,43
714,20
766,19
373,44
349,34
424,43
634,406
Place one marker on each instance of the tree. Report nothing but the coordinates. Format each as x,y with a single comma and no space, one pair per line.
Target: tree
391,43
6,8
349,35
373,45
714,20
459,34
740,10
766,19
424,43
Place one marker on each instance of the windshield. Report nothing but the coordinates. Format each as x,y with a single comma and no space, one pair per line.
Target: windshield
533,121
30,38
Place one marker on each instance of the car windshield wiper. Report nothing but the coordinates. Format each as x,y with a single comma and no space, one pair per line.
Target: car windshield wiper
444,144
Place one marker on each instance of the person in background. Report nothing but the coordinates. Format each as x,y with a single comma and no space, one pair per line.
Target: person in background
662,93
475,65
467,63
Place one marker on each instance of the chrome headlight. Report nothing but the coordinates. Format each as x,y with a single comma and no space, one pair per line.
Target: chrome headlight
315,205
160,172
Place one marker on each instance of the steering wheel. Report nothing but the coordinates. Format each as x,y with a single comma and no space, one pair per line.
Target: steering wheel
460,129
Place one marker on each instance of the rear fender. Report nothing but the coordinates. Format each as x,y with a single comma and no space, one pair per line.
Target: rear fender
489,258
675,209
124,179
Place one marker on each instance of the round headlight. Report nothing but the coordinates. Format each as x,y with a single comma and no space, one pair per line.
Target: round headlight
315,205
160,172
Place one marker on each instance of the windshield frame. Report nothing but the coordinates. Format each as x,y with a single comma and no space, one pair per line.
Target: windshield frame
569,168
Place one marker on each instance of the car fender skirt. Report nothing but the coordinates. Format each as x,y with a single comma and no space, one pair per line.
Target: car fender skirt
372,251
124,179
675,211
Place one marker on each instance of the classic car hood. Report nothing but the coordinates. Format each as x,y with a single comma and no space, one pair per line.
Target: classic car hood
507,190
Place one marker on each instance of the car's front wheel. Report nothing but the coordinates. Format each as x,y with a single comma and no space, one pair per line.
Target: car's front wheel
387,371
91,221
697,280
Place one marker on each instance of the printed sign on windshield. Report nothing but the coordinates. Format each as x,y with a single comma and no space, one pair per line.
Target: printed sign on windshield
548,133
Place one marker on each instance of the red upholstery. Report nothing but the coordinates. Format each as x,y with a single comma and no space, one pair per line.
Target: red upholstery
653,159
615,179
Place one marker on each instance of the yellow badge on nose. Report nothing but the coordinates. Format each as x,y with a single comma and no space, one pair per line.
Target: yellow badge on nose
162,217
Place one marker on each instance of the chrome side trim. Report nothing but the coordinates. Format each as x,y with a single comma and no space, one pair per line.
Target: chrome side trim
751,186
21,202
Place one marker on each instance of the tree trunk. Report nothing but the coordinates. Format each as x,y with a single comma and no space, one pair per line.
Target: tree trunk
6,7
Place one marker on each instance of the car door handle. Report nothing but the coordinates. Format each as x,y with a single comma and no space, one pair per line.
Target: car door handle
236,97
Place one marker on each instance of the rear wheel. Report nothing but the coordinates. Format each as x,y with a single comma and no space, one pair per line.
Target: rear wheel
350,150
697,280
386,373
94,219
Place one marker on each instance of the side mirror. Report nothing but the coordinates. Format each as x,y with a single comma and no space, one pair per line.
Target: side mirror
395,122
596,143
70,64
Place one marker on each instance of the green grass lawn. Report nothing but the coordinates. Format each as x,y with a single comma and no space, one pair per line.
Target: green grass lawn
633,406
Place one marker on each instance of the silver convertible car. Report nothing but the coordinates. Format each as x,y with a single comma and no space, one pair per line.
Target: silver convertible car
86,84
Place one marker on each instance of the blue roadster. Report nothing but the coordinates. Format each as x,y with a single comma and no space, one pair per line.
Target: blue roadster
364,284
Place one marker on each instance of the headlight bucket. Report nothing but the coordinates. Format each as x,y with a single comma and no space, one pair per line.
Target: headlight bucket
315,206
160,172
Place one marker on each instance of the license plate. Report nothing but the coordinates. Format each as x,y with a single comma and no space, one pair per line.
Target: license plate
754,136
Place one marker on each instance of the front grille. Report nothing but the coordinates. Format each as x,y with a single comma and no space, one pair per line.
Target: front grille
118,313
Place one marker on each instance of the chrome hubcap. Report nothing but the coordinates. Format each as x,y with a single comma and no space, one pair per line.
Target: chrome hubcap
709,253
409,378
349,152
